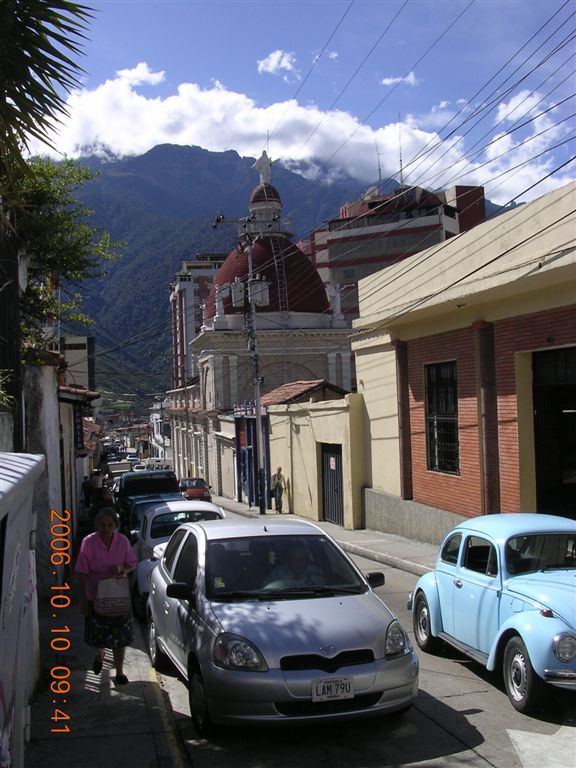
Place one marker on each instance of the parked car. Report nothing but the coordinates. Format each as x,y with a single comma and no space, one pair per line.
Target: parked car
503,593
160,520
139,506
158,523
117,468
195,488
271,622
133,485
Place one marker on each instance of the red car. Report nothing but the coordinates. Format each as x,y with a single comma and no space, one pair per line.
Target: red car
195,488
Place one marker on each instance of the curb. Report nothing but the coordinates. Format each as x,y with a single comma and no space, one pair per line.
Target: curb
395,562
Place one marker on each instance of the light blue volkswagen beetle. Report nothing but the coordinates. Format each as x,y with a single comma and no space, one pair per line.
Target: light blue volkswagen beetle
503,592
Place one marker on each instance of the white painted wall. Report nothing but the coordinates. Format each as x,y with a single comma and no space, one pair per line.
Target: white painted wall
19,629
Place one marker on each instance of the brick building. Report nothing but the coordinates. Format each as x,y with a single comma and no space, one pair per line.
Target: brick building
381,229
466,357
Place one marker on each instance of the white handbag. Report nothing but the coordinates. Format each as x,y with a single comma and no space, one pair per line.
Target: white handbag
113,597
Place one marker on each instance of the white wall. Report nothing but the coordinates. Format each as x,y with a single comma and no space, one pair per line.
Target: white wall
19,630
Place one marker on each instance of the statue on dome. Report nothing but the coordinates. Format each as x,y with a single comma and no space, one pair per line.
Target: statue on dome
263,166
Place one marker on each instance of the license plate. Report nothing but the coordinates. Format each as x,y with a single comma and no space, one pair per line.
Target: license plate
333,688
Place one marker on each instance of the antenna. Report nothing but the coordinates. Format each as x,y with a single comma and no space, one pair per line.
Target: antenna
379,167
400,148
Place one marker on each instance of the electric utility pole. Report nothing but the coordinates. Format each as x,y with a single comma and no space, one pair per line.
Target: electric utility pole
250,294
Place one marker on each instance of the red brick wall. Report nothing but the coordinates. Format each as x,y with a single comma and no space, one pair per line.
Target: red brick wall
456,493
527,333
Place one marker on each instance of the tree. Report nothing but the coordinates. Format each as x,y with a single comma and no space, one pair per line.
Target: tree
36,71
37,40
61,247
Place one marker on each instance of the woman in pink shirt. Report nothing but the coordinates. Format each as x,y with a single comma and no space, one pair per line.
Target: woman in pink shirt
103,555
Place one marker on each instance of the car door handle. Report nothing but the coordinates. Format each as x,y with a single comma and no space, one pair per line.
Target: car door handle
166,605
458,583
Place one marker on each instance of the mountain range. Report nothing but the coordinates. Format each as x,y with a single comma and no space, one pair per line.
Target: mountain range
161,205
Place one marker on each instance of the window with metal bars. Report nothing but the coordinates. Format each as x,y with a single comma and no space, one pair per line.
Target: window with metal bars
442,418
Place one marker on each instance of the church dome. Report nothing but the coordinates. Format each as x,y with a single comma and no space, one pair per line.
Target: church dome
294,284
265,193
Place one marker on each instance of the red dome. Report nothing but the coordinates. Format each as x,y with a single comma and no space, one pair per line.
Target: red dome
265,193
275,259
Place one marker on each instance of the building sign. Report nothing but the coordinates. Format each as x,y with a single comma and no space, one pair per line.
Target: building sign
78,430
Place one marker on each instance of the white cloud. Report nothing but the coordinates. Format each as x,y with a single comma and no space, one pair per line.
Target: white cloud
278,62
438,116
140,75
114,118
520,105
409,79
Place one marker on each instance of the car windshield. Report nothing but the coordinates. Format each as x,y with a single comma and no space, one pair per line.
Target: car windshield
278,567
194,483
148,484
139,509
537,552
163,526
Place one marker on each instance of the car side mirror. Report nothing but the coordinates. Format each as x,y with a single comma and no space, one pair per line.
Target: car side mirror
375,579
180,590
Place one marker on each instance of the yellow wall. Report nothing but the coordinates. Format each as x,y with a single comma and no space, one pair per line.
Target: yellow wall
376,376
296,435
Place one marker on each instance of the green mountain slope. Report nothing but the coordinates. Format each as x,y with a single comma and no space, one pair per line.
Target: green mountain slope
162,205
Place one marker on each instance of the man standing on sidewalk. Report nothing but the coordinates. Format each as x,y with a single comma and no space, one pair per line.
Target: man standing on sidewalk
278,486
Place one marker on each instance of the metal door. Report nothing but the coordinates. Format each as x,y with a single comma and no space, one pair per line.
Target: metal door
332,506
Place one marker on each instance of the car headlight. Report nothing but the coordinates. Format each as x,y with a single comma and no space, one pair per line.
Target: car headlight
235,652
565,647
397,641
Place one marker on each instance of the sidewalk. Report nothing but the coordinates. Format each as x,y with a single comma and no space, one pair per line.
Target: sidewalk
387,548
110,726
115,726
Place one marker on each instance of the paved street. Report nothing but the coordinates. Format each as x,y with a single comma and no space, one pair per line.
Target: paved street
462,717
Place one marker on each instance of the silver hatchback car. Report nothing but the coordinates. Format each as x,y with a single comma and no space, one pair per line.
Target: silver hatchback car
270,621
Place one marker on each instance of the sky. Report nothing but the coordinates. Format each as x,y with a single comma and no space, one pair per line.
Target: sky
429,92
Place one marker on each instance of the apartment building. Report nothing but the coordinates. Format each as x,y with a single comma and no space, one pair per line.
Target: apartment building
381,229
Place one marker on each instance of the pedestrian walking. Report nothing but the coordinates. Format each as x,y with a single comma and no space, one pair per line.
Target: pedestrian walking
278,486
101,498
106,555
86,491
96,480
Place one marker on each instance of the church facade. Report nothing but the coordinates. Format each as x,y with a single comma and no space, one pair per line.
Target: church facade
267,321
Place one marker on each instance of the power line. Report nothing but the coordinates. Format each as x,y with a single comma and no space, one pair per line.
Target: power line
411,69
136,340
357,70
314,63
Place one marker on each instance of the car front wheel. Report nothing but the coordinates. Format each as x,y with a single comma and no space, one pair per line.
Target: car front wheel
157,657
421,623
198,706
525,689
